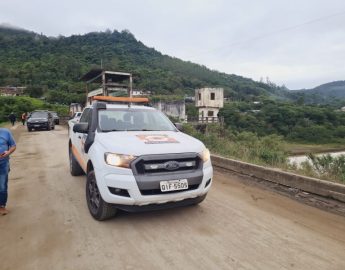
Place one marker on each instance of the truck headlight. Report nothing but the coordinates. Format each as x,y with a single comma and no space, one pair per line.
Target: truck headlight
118,160
205,155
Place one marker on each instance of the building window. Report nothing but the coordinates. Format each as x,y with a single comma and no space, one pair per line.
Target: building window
210,113
213,96
199,96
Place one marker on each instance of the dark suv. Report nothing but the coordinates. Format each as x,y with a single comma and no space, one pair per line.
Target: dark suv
40,120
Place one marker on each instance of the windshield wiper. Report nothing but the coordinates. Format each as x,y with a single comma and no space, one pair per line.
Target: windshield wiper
110,130
144,129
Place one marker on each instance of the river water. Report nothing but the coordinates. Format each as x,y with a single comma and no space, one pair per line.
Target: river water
299,159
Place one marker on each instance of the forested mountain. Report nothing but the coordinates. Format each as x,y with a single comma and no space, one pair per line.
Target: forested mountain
52,66
324,94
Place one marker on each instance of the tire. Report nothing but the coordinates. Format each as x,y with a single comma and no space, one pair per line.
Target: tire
99,209
48,127
74,166
29,129
53,127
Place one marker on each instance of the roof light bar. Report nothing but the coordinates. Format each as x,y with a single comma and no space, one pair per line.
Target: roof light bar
121,99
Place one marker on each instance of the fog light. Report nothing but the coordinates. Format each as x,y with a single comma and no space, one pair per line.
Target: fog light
208,183
119,192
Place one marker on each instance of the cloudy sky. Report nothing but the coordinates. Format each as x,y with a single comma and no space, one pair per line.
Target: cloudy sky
299,43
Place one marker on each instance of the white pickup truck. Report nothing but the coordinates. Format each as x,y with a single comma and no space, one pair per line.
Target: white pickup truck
135,159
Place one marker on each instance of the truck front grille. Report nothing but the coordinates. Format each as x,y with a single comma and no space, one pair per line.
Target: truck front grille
167,164
150,170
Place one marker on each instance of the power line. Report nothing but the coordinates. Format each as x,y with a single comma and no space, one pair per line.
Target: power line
286,29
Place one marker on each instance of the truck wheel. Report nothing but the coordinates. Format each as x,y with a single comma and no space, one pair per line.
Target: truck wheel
99,209
29,129
74,166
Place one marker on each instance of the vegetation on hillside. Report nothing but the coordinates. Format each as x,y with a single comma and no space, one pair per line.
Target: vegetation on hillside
308,124
328,93
260,117
52,66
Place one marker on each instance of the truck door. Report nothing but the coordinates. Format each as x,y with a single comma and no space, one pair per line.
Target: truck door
79,139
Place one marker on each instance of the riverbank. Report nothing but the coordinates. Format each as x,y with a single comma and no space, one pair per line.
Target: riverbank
299,149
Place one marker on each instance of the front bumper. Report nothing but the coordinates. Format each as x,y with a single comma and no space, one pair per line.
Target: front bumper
106,178
167,205
38,125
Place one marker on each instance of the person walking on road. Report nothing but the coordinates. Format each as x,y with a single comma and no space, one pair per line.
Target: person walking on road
12,118
7,147
24,116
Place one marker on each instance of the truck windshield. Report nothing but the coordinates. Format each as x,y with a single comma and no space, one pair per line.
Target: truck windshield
133,120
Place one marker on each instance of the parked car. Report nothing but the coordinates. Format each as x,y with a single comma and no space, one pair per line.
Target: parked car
56,118
76,116
40,120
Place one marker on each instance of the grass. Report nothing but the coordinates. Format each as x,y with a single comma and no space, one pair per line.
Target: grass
245,146
270,151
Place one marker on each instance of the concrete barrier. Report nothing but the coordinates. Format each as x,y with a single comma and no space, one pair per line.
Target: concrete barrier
309,184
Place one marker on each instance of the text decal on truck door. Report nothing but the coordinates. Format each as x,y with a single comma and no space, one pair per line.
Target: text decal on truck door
157,139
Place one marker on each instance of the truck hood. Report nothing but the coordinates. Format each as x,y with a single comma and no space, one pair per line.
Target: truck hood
148,142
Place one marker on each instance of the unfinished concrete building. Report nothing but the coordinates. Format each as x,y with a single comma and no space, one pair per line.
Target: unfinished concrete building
209,101
176,109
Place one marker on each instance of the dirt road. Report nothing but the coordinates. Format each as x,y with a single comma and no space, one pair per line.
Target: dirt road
236,227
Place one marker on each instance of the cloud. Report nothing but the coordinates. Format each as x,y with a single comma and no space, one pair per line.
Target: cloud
250,38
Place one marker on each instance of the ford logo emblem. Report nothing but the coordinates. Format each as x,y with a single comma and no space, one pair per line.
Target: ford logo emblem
171,165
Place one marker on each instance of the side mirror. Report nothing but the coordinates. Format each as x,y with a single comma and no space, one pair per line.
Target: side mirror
179,126
81,128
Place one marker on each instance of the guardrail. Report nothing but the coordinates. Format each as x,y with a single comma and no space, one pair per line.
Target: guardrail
309,184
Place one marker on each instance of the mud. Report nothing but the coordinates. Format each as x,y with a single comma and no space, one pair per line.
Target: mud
238,226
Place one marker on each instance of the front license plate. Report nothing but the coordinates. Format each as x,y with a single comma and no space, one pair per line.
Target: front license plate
174,185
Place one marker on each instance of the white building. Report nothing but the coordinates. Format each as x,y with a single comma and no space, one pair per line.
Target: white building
176,109
12,91
209,101
136,92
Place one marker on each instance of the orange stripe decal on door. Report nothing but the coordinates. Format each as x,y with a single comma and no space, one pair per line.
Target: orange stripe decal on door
79,158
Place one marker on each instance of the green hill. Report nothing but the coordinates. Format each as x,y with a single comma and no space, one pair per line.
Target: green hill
52,66
327,93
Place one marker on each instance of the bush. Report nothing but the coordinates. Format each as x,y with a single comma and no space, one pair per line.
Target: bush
329,167
246,146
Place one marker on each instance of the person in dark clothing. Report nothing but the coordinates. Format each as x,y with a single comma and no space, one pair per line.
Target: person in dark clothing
12,118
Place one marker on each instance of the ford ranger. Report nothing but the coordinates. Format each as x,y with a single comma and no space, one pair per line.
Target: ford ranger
135,159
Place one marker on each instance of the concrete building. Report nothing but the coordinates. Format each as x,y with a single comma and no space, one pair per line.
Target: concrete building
12,91
136,92
209,101
176,109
